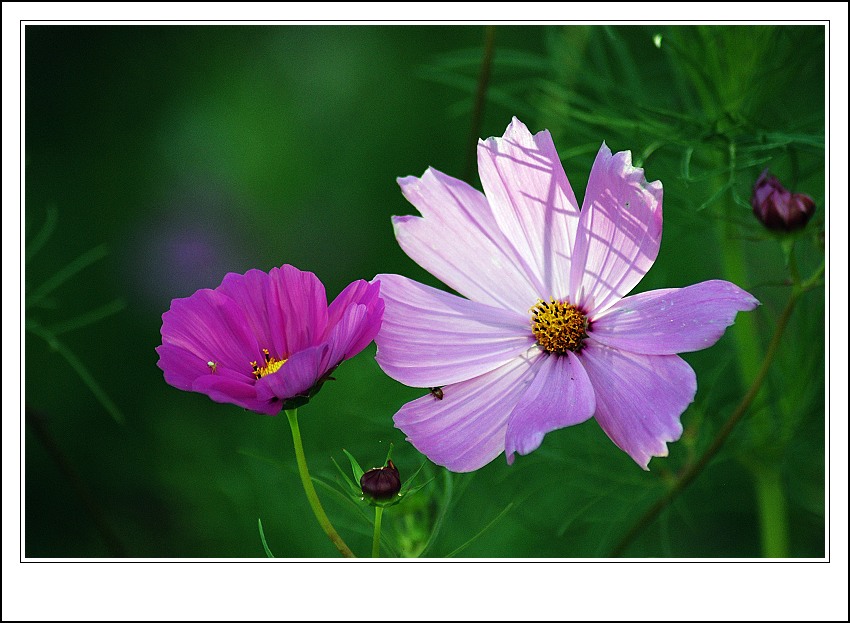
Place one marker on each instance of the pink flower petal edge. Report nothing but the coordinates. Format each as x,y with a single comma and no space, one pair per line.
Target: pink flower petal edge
466,428
619,232
560,395
435,338
639,398
458,240
666,322
532,202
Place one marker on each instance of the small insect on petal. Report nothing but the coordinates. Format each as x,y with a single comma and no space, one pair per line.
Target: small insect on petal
212,366
436,392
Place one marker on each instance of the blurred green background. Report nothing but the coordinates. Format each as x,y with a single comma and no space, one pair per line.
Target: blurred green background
159,158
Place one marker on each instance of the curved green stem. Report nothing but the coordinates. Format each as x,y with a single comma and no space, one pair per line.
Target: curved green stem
310,490
376,539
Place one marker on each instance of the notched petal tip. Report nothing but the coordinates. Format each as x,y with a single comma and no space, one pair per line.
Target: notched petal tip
518,128
406,180
603,156
401,220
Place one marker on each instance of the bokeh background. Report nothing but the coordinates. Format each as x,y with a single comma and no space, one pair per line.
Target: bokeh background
159,158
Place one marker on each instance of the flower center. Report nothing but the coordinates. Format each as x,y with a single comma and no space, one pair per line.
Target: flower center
558,326
272,365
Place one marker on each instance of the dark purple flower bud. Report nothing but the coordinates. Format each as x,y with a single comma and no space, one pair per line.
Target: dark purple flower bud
779,209
381,483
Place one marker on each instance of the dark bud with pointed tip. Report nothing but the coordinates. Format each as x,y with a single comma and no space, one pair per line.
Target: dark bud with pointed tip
779,209
381,483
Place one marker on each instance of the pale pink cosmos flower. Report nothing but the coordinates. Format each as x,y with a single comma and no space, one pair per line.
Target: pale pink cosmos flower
544,338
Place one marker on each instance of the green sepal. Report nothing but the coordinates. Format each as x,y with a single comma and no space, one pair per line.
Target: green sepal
407,484
354,487
355,467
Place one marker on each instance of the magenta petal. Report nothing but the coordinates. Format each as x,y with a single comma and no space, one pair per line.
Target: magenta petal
560,395
639,398
532,202
355,293
350,334
665,322
459,242
619,232
430,337
466,429
300,372
253,293
212,327
303,306
238,392
180,367
353,332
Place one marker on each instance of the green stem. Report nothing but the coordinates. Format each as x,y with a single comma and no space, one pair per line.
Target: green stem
773,511
376,539
480,99
749,349
745,336
310,490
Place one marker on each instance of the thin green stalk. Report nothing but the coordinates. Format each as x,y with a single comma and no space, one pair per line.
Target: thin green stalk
85,260
749,350
773,511
376,539
480,99
745,336
310,490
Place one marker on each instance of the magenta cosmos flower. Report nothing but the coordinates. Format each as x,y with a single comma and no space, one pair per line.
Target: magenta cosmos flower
544,338
265,341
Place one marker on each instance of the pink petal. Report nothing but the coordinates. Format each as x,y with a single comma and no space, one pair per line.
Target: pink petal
252,292
532,202
300,372
639,398
619,232
300,296
665,322
180,367
189,372
353,332
355,335
459,242
240,393
466,429
356,292
430,337
212,327
560,395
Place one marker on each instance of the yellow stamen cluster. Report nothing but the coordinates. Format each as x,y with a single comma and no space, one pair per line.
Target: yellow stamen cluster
558,326
272,365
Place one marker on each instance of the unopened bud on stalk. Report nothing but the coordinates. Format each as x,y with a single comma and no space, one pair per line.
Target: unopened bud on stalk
381,483
779,209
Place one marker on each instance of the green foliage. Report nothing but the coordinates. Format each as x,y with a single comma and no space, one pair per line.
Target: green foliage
263,539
